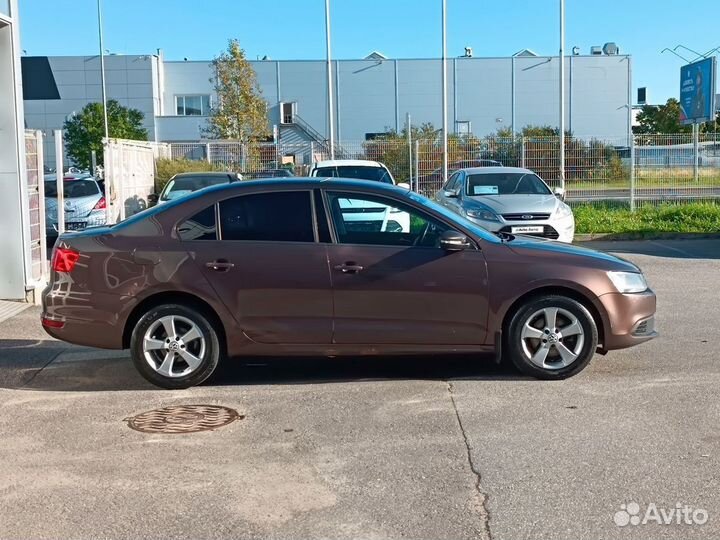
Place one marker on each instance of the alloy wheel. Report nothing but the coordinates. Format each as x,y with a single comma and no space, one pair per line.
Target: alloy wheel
174,346
552,338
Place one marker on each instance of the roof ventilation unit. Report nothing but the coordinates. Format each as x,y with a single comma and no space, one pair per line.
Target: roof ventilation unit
611,49
596,50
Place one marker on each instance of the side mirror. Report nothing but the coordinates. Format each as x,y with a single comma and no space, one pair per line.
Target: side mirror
454,241
403,185
559,193
450,194
153,198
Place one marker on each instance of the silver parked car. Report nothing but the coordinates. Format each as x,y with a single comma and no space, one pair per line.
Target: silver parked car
84,203
509,199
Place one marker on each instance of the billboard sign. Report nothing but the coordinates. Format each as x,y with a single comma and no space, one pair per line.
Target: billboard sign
697,91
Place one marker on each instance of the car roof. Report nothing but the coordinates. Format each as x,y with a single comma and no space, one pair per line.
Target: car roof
495,170
298,182
348,162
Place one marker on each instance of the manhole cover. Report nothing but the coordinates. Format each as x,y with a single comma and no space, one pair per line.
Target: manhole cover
183,419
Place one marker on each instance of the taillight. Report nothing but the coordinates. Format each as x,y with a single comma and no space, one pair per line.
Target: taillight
64,259
100,204
51,323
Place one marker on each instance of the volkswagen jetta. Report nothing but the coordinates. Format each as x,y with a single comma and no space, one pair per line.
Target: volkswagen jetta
282,267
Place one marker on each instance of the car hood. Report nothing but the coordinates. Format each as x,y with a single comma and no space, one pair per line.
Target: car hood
516,204
549,249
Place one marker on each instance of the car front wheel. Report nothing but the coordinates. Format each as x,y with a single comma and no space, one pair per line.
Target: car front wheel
174,346
551,337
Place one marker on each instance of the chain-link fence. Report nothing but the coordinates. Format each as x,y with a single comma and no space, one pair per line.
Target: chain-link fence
650,168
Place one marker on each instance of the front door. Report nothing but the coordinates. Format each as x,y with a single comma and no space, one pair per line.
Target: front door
265,265
397,286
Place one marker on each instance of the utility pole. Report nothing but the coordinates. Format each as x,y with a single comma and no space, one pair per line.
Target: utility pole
444,94
102,68
331,128
562,93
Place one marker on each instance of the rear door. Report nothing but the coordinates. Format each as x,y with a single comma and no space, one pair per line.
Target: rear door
261,255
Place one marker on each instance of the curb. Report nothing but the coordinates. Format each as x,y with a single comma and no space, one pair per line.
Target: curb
640,235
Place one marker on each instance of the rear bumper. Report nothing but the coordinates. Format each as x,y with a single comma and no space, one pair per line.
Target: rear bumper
631,319
69,316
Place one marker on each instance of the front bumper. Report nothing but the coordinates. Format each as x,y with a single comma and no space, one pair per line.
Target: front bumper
630,319
562,230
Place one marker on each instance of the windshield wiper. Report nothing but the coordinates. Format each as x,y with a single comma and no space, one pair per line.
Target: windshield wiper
505,236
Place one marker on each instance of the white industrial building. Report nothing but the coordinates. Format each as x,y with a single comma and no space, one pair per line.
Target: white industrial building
371,95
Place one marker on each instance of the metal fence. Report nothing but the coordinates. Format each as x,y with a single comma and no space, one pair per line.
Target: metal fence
646,169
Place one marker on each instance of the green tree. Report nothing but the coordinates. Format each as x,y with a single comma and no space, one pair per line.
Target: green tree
241,112
665,119
84,131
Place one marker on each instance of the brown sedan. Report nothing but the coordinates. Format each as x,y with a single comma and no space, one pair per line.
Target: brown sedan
324,267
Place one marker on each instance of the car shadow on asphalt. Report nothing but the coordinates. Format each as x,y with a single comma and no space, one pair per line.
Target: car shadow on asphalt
82,369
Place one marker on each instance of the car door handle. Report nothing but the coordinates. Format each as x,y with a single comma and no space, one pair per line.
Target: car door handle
220,265
349,268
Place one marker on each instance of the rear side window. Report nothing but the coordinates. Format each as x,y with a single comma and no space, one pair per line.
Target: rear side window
73,189
359,172
199,227
284,216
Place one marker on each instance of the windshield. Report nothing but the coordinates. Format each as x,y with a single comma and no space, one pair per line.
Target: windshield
73,189
454,217
506,184
177,187
359,172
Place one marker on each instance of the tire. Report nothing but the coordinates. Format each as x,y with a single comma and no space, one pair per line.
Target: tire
560,355
175,363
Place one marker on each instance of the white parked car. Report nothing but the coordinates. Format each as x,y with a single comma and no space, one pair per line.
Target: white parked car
510,200
362,213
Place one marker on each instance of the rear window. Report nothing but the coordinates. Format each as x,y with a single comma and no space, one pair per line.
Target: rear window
73,189
187,184
377,174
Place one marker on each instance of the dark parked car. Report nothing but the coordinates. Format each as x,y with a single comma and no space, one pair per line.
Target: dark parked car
281,267
268,173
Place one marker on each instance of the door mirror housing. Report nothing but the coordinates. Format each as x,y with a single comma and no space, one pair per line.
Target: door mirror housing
454,241
559,193
450,193
403,185
153,198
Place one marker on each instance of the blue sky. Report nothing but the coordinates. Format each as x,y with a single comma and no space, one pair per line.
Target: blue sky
294,29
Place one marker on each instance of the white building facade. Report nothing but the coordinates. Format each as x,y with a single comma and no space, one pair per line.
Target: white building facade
370,96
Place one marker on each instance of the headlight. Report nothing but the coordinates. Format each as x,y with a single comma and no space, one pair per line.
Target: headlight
563,211
628,282
485,215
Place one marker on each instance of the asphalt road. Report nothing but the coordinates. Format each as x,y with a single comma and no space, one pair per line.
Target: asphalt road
644,194
376,448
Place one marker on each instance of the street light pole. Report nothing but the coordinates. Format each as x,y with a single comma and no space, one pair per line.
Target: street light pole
102,69
444,93
562,93
331,130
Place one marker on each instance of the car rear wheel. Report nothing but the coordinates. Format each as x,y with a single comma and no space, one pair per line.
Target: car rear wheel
174,346
551,337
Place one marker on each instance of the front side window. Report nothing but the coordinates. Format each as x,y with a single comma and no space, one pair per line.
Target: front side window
283,216
201,226
506,184
193,105
369,219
